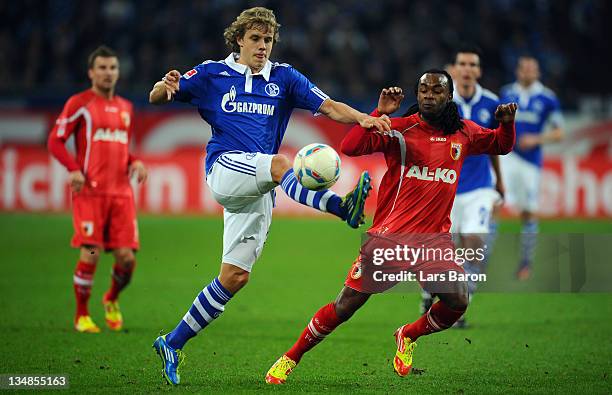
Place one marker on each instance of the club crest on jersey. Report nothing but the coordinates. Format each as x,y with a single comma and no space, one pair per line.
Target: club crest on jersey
190,74
125,117
356,269
87,228
272,89
455,150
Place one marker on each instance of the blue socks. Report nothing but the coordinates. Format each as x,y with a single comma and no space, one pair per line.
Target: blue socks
325,200
529,235
206,307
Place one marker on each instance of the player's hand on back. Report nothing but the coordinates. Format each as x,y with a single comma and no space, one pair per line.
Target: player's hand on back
76,180
529,141
138,168
390,100
505,112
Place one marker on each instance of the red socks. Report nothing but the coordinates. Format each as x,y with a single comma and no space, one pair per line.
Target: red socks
82,280
436,319
120,279
322,324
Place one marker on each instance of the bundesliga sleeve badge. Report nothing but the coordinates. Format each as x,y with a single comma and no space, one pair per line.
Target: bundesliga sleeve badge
190,74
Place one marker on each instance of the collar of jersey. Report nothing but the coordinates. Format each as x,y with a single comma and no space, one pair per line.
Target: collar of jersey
473,100
243,69
533,89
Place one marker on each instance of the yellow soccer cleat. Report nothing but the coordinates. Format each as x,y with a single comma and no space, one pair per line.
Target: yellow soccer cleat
402,363
85,324
112,314
280,370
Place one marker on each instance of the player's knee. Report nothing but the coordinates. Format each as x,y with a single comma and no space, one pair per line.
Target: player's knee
233,278
280,165
348,302
125,257
241,279
472,241
456,296
90,254
458,301
344,310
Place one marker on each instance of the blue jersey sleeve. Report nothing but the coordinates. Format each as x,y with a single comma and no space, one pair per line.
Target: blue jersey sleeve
555,117
304,93
192,85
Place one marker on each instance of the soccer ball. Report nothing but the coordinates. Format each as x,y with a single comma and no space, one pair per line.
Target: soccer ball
317,166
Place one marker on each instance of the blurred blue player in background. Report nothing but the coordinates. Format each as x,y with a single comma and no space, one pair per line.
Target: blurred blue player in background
538,121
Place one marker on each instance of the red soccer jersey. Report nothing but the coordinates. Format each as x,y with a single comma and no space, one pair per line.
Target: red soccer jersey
101,128
423,165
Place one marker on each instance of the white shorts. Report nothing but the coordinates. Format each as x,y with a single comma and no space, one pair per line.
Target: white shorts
472,211
242,183
522,181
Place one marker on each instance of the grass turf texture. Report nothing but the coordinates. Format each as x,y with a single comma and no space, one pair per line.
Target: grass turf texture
521,343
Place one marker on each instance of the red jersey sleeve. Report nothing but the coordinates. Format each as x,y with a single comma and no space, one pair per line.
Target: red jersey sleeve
360,141
490,141
65,125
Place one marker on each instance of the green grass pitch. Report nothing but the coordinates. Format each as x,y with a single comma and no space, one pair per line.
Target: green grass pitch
518,343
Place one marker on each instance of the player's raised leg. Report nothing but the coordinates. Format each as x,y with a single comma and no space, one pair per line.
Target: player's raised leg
83,281
442,315
349,208
121,275
325,320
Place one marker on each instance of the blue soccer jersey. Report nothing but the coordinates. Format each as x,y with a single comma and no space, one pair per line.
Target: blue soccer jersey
476,170
247,112
538,107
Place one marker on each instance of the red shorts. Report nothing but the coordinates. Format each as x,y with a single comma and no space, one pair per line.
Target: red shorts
104,221
432,271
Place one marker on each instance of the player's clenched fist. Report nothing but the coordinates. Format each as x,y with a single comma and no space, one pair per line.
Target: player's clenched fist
138,168
76,180
505,112
171,82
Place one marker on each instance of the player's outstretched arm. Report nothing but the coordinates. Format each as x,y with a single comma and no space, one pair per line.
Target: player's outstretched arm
163,91
499,141
344,113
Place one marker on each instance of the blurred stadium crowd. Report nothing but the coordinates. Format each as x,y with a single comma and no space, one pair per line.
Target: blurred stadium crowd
350,49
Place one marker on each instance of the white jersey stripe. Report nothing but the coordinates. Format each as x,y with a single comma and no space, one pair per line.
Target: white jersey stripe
88,133
64,121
